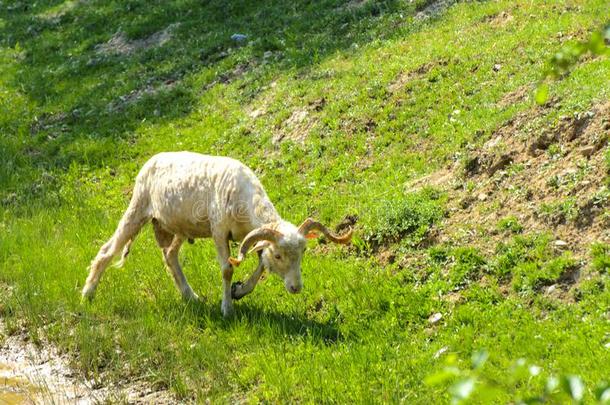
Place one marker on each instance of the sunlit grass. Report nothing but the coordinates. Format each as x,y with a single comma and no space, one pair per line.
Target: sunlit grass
388,98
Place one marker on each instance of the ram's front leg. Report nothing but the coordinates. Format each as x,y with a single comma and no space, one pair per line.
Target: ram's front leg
239,289
222,248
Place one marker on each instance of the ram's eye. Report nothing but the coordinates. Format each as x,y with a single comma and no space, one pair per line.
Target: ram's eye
278,257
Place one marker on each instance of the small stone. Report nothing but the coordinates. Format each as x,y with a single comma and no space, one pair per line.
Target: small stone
267,54
239,37
257,113
434,318
482,197
551,288
587,151
493,142
560,244
570,171
497,67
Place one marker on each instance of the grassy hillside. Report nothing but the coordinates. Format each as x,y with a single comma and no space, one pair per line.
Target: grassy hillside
378,113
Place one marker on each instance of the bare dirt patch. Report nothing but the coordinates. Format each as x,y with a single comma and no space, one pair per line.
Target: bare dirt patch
500,20
434,8
136,95
516,96
119,44
260,106
297,127
56,13
551,180
352,5
405,77
234,74
45,122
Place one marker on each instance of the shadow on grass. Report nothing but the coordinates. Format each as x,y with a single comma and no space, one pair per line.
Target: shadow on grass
255,318
93,71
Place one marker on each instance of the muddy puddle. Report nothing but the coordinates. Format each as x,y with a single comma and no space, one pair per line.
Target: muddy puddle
15,389
38,374
32,375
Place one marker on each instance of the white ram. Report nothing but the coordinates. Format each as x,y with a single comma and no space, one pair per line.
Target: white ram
188,195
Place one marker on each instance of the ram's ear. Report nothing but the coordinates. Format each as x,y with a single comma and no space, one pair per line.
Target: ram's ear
260,246
311,235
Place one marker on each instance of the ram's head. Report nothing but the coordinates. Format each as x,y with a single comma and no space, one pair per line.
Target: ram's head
281,247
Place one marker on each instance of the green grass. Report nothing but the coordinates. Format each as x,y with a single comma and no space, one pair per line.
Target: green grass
406,219
510,224
388,98
600,253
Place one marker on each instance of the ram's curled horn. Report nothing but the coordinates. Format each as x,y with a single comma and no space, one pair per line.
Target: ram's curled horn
311,225
254,236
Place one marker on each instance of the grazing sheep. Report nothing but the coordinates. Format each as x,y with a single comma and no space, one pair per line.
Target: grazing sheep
188,195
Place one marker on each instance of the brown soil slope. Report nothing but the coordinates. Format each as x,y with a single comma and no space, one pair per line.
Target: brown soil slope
553,180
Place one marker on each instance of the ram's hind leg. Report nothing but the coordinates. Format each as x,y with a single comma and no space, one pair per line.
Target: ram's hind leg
170,245
170,256
128,228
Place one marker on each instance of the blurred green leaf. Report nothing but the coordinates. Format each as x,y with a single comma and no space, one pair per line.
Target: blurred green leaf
520,370
542,93
602,393
479,358
573,385
462,389
533,400
451,359
596,44
443,376
567,57
551,384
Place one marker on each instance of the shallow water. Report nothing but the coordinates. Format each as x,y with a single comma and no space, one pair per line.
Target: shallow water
32,374
15,389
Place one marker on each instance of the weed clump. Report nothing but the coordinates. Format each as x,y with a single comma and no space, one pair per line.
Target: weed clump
406,220
600,257
559,212
532,263
462,264
510,224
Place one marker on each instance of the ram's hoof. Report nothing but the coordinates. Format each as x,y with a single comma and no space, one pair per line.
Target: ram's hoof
87,295
236,285
226,309
191,297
